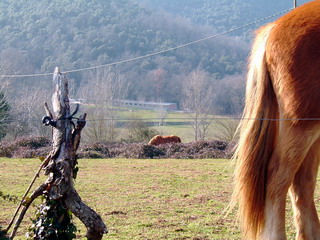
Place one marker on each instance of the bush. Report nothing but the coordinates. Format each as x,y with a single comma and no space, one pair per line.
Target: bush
201,149
142,151
33,142
26,147
6,150
96,150
36,147
140,132
149,151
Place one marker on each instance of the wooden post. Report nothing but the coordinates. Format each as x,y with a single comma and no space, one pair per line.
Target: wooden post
294,3
62,160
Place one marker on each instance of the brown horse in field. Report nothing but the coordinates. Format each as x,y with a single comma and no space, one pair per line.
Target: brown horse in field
157,140
279,147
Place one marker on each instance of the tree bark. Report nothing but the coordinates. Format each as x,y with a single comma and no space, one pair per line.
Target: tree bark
66,140
61,166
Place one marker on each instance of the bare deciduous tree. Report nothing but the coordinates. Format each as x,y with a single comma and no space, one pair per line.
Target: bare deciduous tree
227,129
162,114
198,98
102,92
139,131
26,113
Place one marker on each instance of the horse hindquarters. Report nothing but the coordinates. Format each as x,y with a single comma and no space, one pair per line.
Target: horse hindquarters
283,82
293,61
269,153
257,140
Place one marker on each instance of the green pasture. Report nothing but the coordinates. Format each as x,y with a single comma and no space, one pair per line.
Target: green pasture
143,199
174,123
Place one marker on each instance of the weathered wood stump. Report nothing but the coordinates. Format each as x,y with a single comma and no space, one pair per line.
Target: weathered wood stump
60,164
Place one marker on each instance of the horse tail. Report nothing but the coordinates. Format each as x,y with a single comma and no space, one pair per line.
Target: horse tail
257,139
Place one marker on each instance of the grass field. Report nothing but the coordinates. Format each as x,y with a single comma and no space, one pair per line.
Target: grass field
143,199
184,130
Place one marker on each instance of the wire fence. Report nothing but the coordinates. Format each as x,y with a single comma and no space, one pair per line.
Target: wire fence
6,121
170,119
260,20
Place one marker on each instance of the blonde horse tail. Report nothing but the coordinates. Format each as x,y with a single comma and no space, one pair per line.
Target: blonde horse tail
257,138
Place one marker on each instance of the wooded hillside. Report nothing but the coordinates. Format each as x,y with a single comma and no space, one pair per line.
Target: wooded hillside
223,14
36,36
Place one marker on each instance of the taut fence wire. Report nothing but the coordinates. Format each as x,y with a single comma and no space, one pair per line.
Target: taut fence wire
154,53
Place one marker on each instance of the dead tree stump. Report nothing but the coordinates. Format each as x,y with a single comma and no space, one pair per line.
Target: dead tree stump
60,164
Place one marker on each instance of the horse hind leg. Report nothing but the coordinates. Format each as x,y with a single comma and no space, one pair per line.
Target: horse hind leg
302,196
292,146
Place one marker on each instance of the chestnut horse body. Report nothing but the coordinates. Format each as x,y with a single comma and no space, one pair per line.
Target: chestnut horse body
157,140
275,156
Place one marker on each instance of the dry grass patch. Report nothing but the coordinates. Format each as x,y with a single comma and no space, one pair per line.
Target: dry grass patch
142,199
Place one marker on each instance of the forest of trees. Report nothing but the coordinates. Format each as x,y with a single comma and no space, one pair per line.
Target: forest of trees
36,36
223,15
